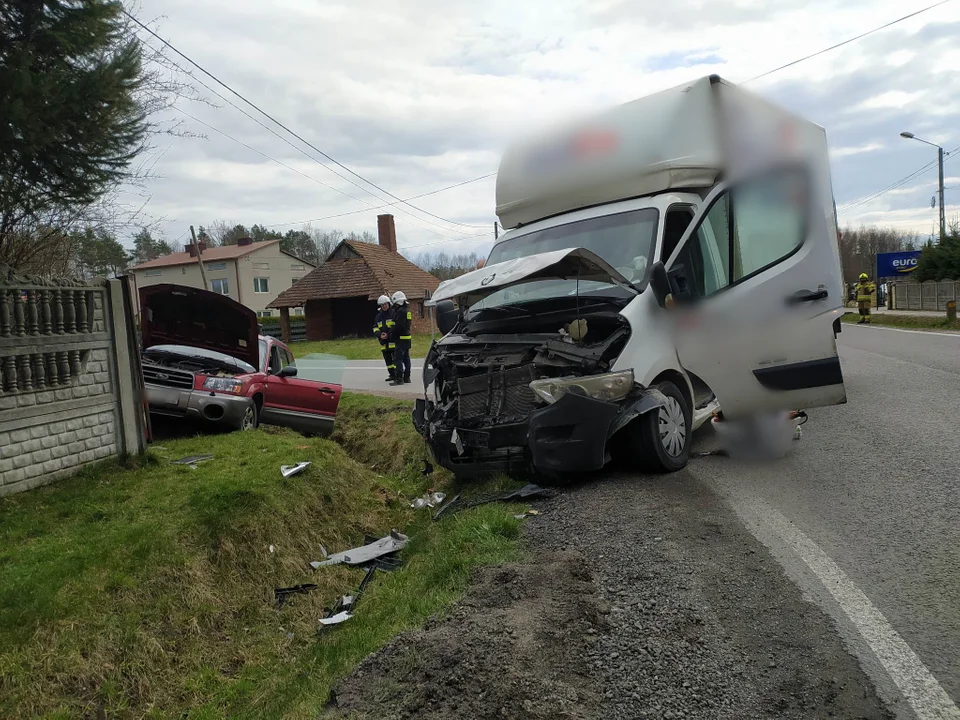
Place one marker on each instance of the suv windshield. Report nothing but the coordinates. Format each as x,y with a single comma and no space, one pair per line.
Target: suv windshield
624,240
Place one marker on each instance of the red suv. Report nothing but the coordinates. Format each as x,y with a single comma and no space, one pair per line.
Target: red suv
203,358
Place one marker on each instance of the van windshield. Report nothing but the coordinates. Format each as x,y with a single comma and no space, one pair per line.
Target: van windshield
625,240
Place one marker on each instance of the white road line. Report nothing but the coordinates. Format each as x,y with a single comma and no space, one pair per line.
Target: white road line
919,687
915,332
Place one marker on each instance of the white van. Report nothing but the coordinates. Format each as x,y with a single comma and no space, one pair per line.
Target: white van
670,257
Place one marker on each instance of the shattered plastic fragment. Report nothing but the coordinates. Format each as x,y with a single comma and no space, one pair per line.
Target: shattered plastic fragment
336,619
291,470
455,439
428,500
362,555
192,460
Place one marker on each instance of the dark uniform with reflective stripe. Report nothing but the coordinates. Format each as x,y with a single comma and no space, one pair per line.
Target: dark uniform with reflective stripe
383,324
403,318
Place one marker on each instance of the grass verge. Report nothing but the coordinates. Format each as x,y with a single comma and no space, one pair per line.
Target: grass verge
356,349
915,322
146,589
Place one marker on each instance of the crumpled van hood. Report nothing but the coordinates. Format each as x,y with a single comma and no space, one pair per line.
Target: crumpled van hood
181,315
556,265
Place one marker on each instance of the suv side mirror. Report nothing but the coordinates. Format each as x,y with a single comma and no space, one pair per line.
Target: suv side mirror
288,371
447,316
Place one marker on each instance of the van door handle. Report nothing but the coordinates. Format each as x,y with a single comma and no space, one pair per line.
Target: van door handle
327,391
808,296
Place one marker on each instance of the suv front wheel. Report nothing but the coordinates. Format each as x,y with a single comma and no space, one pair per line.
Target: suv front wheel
250,419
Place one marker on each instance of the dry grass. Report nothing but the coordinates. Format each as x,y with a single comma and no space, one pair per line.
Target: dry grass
148,591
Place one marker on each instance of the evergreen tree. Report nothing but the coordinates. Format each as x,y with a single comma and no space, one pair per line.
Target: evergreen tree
71,119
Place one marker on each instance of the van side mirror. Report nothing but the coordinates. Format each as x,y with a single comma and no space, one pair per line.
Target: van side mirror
659,283
680,286
447,316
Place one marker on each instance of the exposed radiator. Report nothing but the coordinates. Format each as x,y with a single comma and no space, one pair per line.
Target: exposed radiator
498,392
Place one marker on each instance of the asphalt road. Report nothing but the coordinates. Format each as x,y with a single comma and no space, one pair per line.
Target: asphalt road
865,513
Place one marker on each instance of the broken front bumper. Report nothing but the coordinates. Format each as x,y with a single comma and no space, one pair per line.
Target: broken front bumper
569,436
196,404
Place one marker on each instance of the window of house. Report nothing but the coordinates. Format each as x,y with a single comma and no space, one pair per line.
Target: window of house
421,309
216,266
220,285
294,281
261,266
296,266
183,271
153,273
265,313
261,285
298,311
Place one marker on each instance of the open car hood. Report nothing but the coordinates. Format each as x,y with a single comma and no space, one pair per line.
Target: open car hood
557,265
180,315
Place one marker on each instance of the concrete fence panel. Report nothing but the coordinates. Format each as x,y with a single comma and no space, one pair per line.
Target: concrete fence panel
70,392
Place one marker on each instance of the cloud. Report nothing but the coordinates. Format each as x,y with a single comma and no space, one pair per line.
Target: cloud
424,94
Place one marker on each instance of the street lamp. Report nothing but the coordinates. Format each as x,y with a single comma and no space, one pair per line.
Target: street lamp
943,220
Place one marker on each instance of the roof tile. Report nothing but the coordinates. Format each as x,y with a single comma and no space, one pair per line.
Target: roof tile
377,271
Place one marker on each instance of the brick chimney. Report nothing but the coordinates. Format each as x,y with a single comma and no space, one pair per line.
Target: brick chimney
244,241
192,249
202,245
387,232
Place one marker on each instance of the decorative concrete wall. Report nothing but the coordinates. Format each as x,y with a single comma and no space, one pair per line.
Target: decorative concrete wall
70,387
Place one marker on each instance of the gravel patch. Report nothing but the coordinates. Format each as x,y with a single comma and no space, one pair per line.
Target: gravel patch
641,598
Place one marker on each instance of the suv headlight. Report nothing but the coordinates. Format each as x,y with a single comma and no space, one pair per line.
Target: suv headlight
220,384
609,386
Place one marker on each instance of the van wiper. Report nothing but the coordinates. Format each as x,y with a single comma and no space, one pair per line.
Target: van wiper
509,307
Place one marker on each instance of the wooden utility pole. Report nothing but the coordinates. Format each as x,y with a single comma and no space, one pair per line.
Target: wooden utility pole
196,247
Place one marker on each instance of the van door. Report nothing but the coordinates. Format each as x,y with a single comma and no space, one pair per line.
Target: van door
758,290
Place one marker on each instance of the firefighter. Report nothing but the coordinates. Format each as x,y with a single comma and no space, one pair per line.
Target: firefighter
402,335
382,327
865,290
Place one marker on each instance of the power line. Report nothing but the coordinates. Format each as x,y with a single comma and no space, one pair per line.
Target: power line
899,183
304,153
294,134
381,207
847,42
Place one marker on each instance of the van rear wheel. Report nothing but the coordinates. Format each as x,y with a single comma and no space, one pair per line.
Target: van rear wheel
661,437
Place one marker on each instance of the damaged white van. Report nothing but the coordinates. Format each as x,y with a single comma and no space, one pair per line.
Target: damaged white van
665,259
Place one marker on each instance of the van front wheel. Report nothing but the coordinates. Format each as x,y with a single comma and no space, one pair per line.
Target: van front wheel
662,436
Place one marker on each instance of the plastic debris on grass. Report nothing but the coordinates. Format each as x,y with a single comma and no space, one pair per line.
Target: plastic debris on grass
291,470
192,460
458,503
431,499
366,553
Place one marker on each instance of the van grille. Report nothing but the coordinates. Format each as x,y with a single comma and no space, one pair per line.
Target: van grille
165,377
498,393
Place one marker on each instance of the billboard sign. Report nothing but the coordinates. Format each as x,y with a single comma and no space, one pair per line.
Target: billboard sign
897,264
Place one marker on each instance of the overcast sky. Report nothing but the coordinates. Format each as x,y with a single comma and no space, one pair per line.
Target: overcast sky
421,94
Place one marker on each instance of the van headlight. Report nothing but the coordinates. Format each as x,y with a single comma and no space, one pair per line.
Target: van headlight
609,386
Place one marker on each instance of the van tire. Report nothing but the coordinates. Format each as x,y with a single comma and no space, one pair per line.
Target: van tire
653,453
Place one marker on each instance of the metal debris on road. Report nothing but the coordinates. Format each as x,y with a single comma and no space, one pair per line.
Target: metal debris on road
192,460
291,470
371,551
